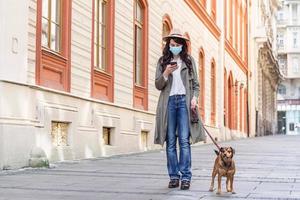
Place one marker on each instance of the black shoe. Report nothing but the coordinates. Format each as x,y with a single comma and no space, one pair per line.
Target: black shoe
174,183
185,185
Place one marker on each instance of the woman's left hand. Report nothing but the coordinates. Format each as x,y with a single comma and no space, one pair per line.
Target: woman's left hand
193,103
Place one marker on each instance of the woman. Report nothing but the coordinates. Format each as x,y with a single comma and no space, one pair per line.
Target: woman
176,78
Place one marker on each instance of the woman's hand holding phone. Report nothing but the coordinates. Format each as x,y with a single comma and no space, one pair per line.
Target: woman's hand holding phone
171,67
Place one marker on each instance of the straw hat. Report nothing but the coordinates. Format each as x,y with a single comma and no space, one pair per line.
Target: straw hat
176,33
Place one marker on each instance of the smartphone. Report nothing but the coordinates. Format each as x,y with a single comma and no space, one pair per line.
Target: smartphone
173,63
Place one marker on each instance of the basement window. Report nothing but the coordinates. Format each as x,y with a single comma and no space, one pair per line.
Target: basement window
107,136
59,133
144,140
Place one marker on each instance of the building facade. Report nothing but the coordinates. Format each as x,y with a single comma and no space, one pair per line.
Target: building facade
288,36
77,76
263,57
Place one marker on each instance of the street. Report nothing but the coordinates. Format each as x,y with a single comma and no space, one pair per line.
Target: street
267,168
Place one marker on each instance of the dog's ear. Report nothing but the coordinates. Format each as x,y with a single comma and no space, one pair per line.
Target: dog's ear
216,152
233,151
222,149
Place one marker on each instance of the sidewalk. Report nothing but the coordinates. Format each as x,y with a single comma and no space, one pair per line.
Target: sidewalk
267,168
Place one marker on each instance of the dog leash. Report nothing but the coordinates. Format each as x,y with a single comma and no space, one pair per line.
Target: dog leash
219,148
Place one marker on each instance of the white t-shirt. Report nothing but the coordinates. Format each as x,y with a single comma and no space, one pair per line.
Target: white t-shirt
177,84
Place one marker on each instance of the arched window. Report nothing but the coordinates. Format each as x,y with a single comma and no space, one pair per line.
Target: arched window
241,109
213,92
166,27
236,104
245,111
230,101
202,84
225,99
189,44
140,54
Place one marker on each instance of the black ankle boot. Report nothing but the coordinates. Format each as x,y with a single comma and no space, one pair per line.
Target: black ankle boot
185,185
174,183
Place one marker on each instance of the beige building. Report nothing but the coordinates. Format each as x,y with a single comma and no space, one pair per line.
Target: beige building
77,77
265,75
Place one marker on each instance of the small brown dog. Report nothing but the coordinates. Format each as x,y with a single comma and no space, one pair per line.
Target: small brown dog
224,166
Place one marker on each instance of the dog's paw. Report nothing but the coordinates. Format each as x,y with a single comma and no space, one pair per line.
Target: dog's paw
218,193
233,192
211,189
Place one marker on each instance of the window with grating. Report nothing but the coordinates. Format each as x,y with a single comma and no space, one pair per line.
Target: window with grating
59,133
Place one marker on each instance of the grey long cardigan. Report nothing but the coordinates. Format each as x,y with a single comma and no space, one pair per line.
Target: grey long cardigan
191,85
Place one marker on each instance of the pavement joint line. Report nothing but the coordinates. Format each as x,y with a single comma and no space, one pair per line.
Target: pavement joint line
195,177
72,190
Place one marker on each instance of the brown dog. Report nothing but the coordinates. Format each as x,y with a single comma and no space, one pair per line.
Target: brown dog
224,166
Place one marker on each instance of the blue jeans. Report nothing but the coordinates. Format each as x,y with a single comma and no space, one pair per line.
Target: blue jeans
178,122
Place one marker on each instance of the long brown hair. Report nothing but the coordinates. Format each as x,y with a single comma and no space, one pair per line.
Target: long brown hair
184,56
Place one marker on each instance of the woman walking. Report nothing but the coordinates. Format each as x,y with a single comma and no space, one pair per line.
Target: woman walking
176,78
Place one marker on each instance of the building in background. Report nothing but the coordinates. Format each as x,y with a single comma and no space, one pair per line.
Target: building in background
263,57
288,42
77,77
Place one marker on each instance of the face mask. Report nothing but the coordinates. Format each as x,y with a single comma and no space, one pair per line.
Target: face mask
176,50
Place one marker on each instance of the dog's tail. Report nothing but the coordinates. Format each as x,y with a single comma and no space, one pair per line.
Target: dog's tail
217,152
